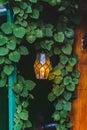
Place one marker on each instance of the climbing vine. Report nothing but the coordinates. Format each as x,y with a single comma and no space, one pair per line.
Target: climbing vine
56,39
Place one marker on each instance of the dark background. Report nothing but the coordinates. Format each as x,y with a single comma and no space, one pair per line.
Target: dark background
3,99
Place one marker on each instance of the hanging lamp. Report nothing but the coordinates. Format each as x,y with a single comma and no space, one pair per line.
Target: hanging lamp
42,66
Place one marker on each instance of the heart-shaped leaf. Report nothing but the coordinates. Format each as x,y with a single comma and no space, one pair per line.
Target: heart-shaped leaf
51,96
2,59
67,49
72,61
23,50
67,95
19,32
7,28
8,69
63,59
76,74
67,106
3,51
18,88
23,115
67,80
31,38
57,51
3,40
2,82
71,87
59,37
14,56
29,84
69,33
11,44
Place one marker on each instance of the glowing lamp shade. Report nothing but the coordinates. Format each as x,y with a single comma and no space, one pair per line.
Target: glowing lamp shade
42,66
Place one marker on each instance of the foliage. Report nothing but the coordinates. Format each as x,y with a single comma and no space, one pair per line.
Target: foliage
55,39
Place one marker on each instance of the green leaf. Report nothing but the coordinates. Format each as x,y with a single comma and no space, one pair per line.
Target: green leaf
64,72
59,106
48,32
70,87
8,69
31,38
67,49
56,116
16,10
19,32
29,85
75,80
69,41
51,96
35,14
27,124
62,8
33,1
39,33
59,91
47,44
23,23
67,106
23,50
76,74
23,5
23,115
69,68
24,93
63,59
67,95
19,0
18,126
69,125
3,82
18,88
3,2
29,9
7,61
14,56
19,108
67,80
59,37
25,104
69,33
7,28
57,51
58,79
21,14
3,40
63,114
3,51
72,61
2,59
11,44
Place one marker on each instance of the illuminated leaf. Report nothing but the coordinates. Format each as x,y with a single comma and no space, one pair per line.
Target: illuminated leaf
7,28
59,37
14,56
2,82
51,97
19,32
23,115
8,69
3,51
67,49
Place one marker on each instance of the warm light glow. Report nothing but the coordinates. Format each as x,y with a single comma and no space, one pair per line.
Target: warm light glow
42,66
42,72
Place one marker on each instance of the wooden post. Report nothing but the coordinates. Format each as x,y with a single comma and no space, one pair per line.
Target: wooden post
79,107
